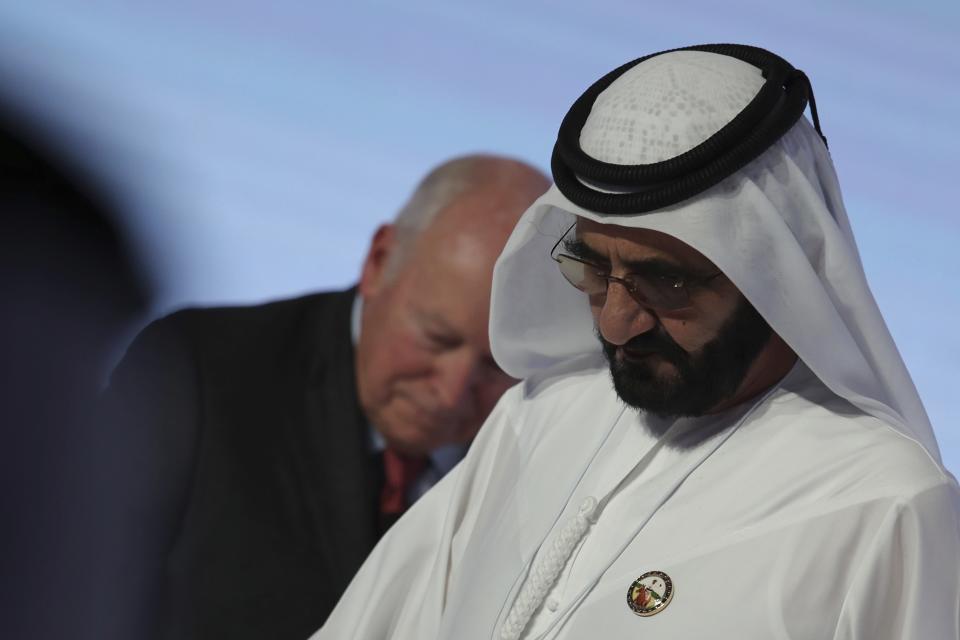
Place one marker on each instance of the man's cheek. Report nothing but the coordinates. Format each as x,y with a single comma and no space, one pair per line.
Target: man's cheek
411,361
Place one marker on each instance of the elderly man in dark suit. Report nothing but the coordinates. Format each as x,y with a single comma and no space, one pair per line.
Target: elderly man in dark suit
276,443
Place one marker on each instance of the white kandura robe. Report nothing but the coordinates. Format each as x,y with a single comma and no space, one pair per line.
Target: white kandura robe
822,511
811,520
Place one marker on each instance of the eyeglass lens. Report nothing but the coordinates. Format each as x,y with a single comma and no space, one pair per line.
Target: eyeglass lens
655,293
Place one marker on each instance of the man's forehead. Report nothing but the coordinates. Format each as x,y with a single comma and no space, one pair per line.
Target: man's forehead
459,241
636,242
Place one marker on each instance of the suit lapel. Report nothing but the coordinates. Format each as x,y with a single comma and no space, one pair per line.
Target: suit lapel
341,485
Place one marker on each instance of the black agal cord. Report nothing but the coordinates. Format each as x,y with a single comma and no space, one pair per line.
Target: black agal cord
768,116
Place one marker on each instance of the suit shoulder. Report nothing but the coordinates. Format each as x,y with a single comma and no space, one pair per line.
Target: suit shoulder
240,319
251,327
243,339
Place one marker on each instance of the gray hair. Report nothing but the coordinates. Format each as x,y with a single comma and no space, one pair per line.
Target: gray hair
444,184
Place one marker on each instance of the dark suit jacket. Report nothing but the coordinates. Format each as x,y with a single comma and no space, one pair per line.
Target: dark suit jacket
253,484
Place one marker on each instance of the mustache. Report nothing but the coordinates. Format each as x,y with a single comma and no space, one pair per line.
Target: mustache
655,341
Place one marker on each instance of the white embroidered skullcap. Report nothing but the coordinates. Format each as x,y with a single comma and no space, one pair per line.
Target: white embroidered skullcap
686,97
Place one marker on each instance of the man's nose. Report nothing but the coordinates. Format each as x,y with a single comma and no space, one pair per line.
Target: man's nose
621,317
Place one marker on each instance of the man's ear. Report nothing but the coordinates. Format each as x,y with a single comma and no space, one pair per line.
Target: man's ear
374,274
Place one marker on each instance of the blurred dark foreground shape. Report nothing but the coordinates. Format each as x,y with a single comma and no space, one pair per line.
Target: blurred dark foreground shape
70,290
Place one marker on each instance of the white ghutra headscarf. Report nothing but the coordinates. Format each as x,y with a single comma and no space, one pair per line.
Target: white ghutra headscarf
777,228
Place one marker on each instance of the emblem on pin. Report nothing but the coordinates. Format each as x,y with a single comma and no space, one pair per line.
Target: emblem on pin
650,593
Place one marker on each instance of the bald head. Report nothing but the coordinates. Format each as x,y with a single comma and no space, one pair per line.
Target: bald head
477,194
424,371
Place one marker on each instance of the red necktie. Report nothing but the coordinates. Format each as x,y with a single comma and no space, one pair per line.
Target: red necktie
400,472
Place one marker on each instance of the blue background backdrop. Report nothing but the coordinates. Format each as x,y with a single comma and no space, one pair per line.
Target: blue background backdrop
256,146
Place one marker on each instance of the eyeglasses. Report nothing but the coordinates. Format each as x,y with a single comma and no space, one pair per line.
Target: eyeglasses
660,293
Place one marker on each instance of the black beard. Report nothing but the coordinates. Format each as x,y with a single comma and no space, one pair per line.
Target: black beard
702,380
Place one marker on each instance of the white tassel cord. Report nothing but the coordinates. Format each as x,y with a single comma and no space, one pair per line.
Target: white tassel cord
545,571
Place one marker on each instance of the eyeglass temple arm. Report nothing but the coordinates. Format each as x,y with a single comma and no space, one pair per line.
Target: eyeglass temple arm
562,236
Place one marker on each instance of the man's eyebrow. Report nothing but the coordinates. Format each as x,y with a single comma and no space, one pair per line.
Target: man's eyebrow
434,321
579,249
648,266
657,267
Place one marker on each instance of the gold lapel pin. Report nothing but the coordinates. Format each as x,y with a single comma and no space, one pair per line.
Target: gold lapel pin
650,593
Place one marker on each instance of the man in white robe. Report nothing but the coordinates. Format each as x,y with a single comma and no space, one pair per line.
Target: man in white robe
742,455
